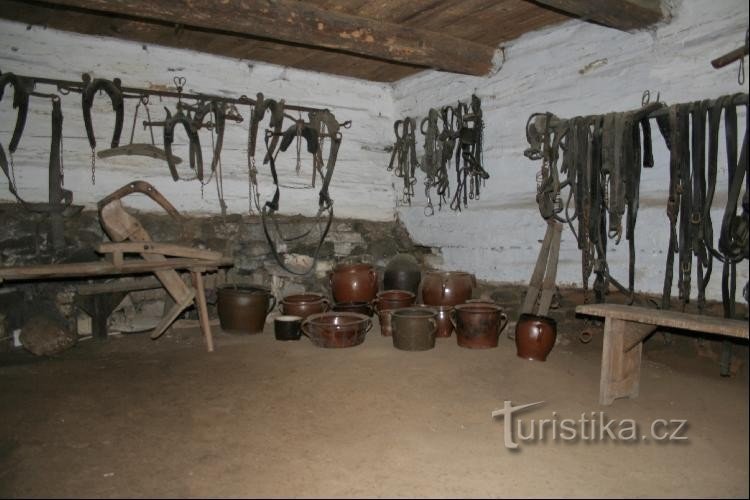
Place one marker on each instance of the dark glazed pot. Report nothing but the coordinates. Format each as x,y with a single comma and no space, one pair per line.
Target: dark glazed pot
413,328
402,273
243,308
336,329
354,283
354,307
478,325
447,288
304,304
535,336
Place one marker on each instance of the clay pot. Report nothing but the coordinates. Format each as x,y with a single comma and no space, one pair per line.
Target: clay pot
243,308
384,317
304,304
336,329
535,336
443,318
355,307
447,288
413,329
478,325
354,283
402,273
394,299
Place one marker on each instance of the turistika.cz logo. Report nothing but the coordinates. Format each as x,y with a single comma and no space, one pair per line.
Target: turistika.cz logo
590,427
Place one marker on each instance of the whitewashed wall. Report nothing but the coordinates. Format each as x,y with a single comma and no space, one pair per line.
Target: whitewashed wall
498,237
359,188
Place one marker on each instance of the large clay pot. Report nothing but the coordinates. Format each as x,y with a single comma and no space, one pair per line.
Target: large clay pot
402,273
243,308
447,288
304,304
478,325
413,328
336,329
354,283
535,336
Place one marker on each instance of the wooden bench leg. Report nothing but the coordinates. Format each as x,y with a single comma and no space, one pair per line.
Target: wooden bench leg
200,299
621,359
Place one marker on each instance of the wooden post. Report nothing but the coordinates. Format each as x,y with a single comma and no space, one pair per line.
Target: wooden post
200,299
621,359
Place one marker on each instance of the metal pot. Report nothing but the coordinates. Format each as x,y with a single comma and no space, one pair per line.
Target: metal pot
243,308
413,328
478,325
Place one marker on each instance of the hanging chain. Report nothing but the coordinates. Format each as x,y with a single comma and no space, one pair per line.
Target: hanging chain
93,166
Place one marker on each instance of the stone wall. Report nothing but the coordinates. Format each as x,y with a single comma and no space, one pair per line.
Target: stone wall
25,240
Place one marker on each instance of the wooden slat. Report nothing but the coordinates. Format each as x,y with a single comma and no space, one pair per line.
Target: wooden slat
159,248
103,268
625,15
673,319
121,285
302,23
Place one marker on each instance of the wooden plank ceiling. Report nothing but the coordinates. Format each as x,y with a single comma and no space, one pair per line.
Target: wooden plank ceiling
414,25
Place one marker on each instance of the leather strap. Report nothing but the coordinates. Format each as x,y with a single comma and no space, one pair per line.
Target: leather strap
21,90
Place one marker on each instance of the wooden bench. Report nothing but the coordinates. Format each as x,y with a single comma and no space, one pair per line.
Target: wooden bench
625,328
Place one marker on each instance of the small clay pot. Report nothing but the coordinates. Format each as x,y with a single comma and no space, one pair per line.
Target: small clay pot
336,329
413,329
535,336
355,307
478,325
243,308
447,288
354,283
384,317
393,299
304,304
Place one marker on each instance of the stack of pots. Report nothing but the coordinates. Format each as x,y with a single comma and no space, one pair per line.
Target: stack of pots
443,290
388,301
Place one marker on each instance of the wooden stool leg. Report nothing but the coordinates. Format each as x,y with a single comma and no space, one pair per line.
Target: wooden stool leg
200,298
621,359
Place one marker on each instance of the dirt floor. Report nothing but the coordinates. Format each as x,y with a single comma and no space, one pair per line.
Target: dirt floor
131,417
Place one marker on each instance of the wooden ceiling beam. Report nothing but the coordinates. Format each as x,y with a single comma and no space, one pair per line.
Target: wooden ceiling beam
303,23
625,15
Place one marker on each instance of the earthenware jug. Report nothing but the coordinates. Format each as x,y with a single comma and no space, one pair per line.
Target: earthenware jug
449,288
402,273
535,336
413,328
303,304
243,308
354,282
478,325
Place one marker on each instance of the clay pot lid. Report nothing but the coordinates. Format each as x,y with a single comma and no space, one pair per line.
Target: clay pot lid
396,295
352,267
538,318
244,288
478,307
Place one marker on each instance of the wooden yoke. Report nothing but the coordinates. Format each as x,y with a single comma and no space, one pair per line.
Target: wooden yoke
121,226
